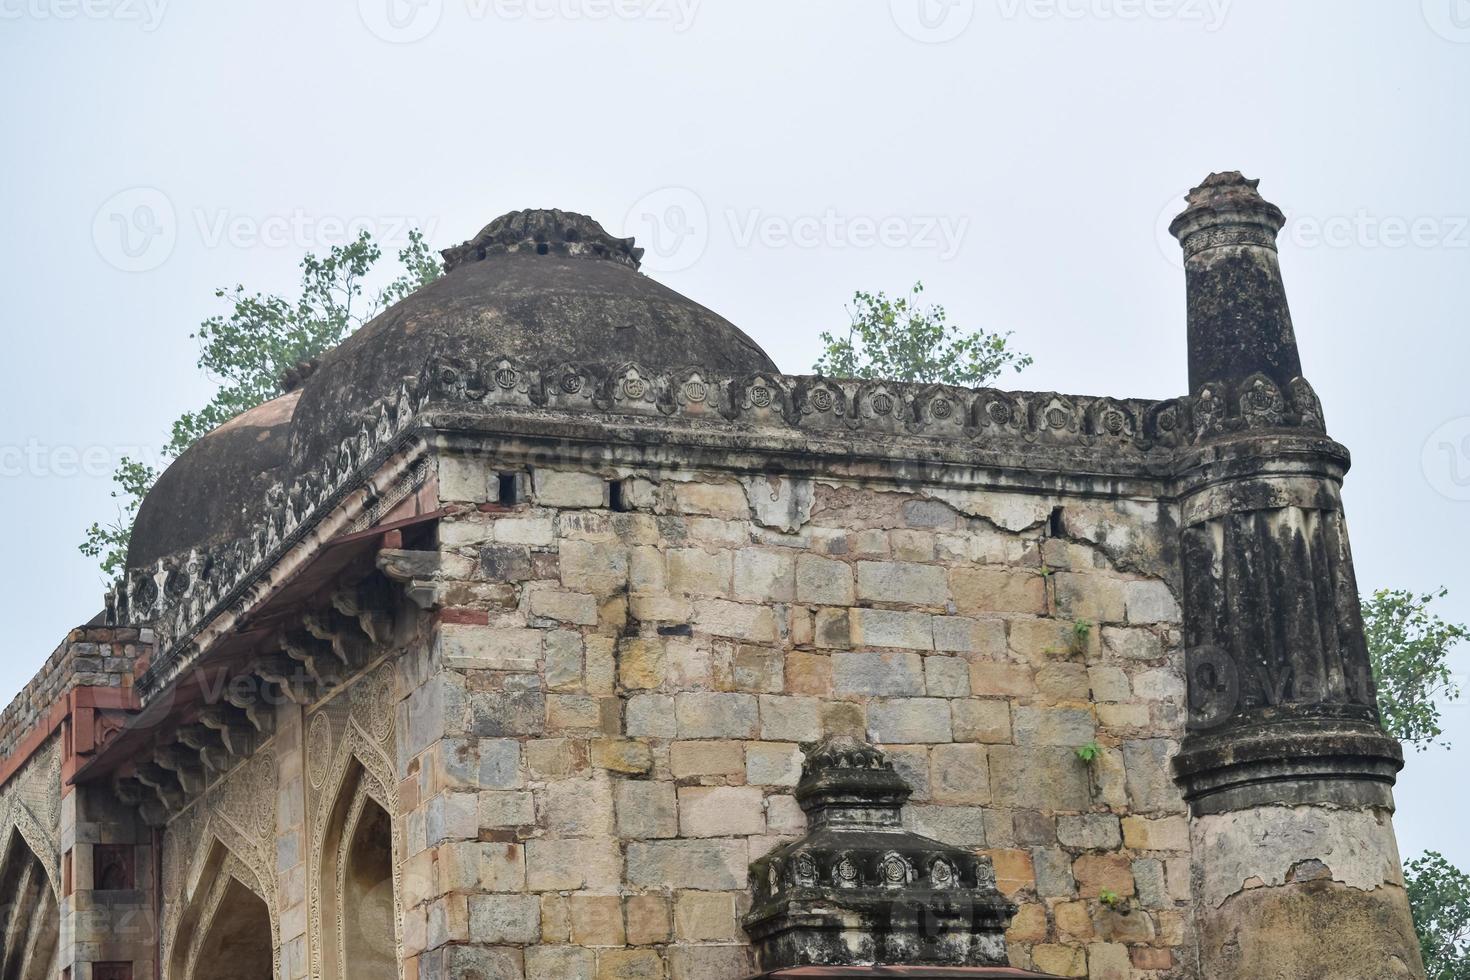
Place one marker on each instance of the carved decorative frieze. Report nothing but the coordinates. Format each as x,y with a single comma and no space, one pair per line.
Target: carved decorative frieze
178,597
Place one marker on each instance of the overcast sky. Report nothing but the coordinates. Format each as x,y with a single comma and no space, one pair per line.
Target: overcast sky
1021,157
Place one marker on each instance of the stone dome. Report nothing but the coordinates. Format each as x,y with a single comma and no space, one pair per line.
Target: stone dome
540,287
213,492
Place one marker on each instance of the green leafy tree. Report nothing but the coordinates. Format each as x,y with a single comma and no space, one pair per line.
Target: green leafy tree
1410,647
251,350
1439,894
904,340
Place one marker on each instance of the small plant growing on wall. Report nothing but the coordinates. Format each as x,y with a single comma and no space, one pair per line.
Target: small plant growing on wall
1089,753
1114,902
1077,636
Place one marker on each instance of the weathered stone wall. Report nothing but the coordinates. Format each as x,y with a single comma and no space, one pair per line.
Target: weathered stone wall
95,656
627,665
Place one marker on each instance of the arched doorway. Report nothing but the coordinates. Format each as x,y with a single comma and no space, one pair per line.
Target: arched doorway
359,921
367,898
225,930
237,943
31,914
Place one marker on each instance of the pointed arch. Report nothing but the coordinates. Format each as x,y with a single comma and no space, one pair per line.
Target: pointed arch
31,914
356,905
227,929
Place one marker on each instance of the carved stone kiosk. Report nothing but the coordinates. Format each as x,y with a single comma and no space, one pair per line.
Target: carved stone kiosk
858,889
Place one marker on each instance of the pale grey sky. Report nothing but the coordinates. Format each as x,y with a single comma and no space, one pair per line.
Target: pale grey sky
1022,157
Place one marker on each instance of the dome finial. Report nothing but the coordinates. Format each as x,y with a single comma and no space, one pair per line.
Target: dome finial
544,232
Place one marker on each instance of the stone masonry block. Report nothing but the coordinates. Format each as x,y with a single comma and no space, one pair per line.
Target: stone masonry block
902,582
505,919
694,571
703,715
594,567
824,581
735,620
646,810
878,674
1039,778
886,628
981,720
772,763
560,488
765,576
567,865
706,758
960,634
1069,727
1089,831
709,865
721,811
706,917
791,719
910,720
471,647
1151,602
1093,598
979,591
946,677
960,774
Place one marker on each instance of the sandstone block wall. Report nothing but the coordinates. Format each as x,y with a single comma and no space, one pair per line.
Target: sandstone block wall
95,656
608,726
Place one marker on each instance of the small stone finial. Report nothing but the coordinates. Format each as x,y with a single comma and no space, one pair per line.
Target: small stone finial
564,234
1239,320
847,782
1227,209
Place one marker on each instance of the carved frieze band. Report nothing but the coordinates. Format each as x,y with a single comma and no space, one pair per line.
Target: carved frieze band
177,596
1215,236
